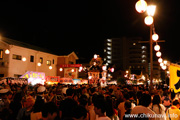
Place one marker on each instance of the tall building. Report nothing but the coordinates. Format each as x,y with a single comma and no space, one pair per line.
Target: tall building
127,54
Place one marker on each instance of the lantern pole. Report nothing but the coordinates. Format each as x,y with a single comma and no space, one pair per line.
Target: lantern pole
151,58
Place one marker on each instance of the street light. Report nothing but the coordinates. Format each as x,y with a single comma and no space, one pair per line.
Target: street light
7,51
149,21
141,6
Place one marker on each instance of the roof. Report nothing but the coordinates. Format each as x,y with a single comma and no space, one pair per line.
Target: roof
25,45
30,46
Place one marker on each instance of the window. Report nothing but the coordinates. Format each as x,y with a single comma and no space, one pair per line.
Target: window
70,62
1,54
17,57
41,60
53,61
1,75
31,58
48,62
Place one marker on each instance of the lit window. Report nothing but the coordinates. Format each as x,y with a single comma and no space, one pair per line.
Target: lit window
104,50
143,61
41,60
134,43
143,47
104,59
143,51
109,52
143,56
108,48
109,61
109,40
109,57
48,62
17,57
109,44
1,54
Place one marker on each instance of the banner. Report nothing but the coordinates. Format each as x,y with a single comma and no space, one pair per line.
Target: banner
174,77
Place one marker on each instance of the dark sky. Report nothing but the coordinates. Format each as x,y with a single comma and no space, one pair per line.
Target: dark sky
83,25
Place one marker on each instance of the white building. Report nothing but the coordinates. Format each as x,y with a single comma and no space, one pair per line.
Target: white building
12,64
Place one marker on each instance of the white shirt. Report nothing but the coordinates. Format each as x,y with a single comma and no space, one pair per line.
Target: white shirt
155,108
103,118
122,109
141,109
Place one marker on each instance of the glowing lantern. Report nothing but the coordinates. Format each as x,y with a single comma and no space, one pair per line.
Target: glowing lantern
50,67
7,51
164,67
24,59
72,70
156,47
60,69
141,6
158,54
104,67
155,37
160,60
112,69
95,56
165,62
161,64
90,77
38,64
148,20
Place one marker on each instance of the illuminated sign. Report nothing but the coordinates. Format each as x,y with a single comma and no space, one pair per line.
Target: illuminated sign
34,77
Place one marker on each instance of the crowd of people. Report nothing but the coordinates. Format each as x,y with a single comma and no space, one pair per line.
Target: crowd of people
87,102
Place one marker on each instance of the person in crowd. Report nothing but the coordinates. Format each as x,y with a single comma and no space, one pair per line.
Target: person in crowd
36,113
49,111
4,102
121,108
110,110
166,99
80,113
158,108
173,113
128,109
40,92
67,106
100,108
84,92
15,105
24,113
143,107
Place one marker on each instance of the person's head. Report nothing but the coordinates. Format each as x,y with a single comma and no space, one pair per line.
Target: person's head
41,89
84,90
49,111
126,96
80,113
176,103
38,104
145,100
127,105
100,105
29,103
69,92
156,100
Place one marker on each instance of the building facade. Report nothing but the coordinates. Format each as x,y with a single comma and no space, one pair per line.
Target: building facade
126,54
23,57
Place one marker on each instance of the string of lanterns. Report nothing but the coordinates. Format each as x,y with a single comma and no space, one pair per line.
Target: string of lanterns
141,6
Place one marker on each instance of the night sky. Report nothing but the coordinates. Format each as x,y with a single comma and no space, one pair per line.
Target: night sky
83,25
